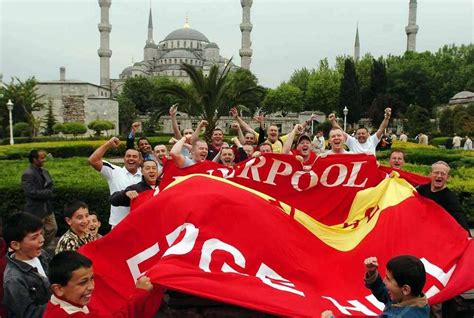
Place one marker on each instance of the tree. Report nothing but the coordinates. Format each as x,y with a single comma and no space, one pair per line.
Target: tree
241,80
446,124
418,120
286,97
208,97
127,112
349,92
138,90
49,120
26,100
98,126
364,68
323,89
74,128
21,129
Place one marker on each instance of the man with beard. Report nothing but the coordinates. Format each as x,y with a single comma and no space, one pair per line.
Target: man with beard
438,192
149,181
143,144
363,143
199,152
303,146
117,177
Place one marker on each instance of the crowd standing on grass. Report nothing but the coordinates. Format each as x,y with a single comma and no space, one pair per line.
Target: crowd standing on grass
34,286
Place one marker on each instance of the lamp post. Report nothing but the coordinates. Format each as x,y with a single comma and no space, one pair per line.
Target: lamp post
345,111
10,108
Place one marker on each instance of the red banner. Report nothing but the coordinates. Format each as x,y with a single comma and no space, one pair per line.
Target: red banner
211,237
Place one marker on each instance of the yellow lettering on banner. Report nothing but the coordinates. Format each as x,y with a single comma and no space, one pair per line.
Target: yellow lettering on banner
390,192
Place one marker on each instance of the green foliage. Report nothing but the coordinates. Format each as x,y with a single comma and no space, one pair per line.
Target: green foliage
58,127
127,113
323,89
418,120
439,141
98,126
286,98
24,96
21,129
74,128
446,123
243,80
49,120
349,92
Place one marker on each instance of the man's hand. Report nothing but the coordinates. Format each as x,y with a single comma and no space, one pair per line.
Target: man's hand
332,117
203,123
371,265
388,112
135,126
173,110
260,119
113,142
234,112
298,129
131,194
327,314
236,142
235,126
144,282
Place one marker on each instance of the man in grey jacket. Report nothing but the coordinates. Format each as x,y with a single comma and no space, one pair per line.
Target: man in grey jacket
37,185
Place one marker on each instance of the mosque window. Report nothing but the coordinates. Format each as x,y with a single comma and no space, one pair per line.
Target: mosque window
180,61
171,44
179,44
192,44
175,61
185,60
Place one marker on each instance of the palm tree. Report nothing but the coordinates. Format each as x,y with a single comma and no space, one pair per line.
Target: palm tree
208,97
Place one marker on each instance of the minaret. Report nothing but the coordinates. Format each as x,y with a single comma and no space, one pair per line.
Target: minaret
104,51
357,46
150,46
411,29
246,27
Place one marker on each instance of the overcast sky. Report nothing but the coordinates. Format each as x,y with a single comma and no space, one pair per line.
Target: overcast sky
38,36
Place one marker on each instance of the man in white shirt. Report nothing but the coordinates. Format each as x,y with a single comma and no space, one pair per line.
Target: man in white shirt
457,142
319,144
117,177
363,143
468,143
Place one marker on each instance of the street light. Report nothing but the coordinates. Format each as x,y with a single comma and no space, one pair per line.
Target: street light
345,111
10,108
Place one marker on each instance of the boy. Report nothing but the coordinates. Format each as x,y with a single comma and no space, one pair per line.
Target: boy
94,225
76,216
72,281
401,290
25,282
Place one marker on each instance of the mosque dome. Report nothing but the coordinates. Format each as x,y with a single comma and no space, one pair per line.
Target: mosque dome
179,54
211,45
186,33
127,71
463,95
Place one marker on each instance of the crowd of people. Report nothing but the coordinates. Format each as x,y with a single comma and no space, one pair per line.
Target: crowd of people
35,285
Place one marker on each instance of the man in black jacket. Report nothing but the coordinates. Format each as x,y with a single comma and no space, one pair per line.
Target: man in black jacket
149,181
38,187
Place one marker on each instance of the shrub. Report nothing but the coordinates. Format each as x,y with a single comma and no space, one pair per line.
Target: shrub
439,141
98,126
58,127
74,128
21,129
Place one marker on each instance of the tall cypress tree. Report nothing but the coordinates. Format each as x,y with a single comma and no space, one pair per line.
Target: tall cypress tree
349,92
49,120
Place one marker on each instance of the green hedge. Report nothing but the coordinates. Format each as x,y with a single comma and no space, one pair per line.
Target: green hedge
67,148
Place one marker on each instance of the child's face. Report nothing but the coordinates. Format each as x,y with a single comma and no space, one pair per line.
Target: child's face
79,221
29,247
79,288
94,224
395,292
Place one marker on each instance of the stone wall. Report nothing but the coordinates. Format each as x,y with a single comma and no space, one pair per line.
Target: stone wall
73,109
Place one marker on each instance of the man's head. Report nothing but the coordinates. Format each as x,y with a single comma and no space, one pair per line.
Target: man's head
76,216
144,145
265,147
23,233
304,146
160,152
439,175
249,150
362,134
227,156
272,133
150,171
336,140
37,158
249,139
132,160
217,137
188,133
319,133
94,223
72,278
405,278
199,150
397,159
